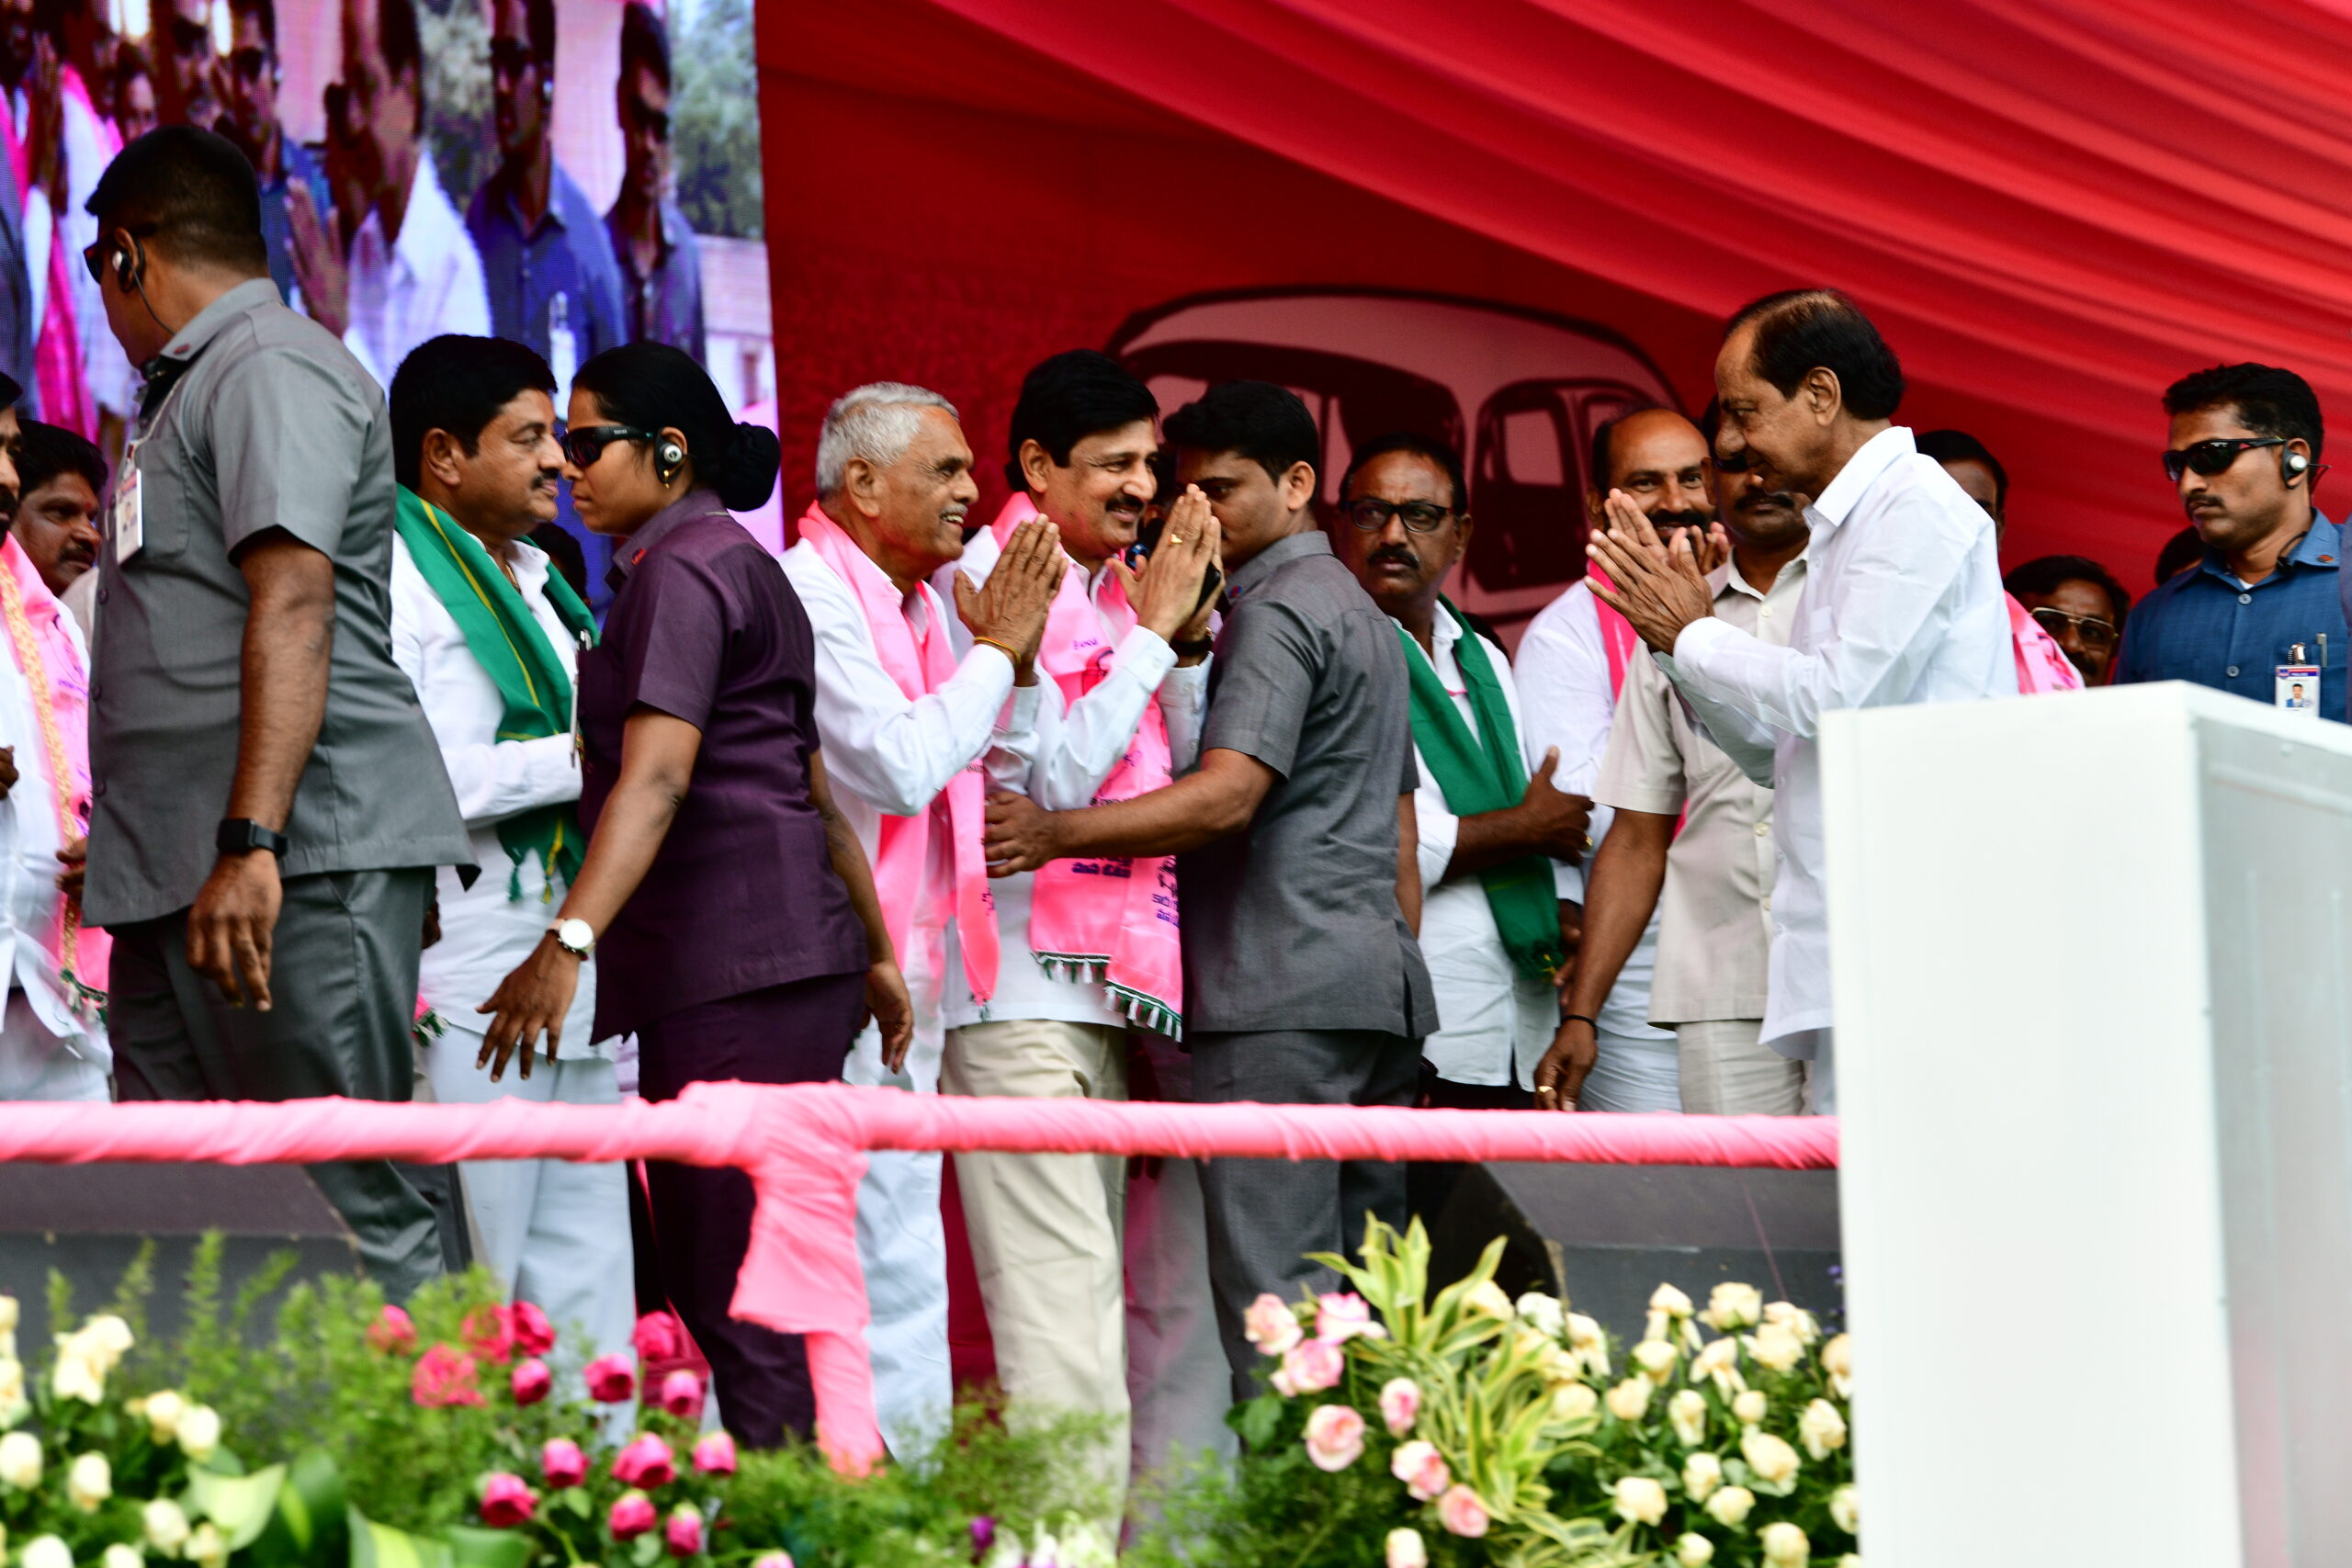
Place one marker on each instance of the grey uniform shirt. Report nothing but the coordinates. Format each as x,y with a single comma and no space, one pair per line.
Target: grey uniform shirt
1293,923
271,425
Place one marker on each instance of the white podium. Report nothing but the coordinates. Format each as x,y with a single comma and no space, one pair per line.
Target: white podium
2092,964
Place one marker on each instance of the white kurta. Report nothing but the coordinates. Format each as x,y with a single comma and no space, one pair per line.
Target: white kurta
1493,1022
426,282
1901,604
47,1051
888,755
554,1232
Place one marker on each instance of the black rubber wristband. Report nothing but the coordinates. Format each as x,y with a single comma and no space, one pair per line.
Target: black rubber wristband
1579,1017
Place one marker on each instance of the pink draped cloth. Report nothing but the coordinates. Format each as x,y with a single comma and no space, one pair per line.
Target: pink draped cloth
57,344
69,694
920,666
2042,665
804,1147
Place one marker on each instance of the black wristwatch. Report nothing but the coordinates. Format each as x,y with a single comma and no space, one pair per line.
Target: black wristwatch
1195,648
242,835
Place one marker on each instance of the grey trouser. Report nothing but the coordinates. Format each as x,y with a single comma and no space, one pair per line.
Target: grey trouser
343,995
1265,1215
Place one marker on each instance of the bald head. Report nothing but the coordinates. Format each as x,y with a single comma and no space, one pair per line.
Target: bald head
1658,458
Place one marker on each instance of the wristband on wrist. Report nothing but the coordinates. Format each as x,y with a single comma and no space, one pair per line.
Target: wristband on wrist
1197,648
1004,648
1580,1018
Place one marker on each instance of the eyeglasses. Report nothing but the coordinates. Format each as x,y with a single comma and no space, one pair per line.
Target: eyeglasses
2093,633
96,263
251,64
583,443
509,57
1372,515
2211,457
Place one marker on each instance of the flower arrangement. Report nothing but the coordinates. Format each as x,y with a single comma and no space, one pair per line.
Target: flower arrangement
1406,1430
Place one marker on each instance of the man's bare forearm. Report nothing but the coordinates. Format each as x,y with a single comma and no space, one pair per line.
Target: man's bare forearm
1621,890
1491,838
288,644
1196,810
1409,864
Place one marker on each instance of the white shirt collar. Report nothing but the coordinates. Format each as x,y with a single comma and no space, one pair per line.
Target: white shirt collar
1727,578
1877,455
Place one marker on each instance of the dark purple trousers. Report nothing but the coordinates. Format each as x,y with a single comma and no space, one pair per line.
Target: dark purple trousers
702,1216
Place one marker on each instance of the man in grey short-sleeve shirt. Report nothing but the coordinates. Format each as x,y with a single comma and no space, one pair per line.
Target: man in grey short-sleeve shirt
1298,885
269,799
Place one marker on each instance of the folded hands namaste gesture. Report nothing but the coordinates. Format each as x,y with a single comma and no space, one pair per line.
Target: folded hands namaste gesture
1659,586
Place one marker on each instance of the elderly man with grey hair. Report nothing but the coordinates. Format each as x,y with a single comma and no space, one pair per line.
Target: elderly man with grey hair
909,699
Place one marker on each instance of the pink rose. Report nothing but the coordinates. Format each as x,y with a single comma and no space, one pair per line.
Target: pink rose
1421,1468
506,1501
563,1464
647,1461
681,1394
1271,1326
659,1336
1309,1367
611,1379
1334,1437
1340,1319
534,1334
531,1380
683,1534
714,1455
1401,1405
1461,1512
392,1333
631,1516
443,1378
489,1332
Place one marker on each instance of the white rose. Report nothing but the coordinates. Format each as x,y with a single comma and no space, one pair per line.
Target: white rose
165,1525
1784,1545
1489,1299
1751,1406
206,1548
1629,1400
20,1460
199,1431
1656,1358
1821,1429
164,1411
77,1376
1731,1306
89,1481
45,1552
1837,1360
1846,1510
1796,1319
7,1314
1405,1549
1640,1500
1695,1551
14,1406
1670,1300
121,1556
1546,1315
1574,1401
1776,1346
1851,1560
1730,1505
1701,1474
1772,1460
1591,1345
111,1335
1687,1411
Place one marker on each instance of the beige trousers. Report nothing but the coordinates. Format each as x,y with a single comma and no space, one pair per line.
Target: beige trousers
1046,1228
1727,1072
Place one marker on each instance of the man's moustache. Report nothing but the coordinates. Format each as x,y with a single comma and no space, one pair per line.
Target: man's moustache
1679,520
1772,501
1404,559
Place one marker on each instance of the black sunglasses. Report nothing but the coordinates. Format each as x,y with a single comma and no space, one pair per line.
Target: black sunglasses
1371,514
583,443
96,263
2211,457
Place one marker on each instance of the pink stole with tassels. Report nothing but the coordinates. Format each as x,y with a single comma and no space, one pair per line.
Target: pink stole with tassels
901,859
1111,919
42,649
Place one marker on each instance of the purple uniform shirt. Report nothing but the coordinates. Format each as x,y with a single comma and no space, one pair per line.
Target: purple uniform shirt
743,894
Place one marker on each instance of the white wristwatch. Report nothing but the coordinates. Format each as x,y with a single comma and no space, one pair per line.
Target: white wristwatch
575,936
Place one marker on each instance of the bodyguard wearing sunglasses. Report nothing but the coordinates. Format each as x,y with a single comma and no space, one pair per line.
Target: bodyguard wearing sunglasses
269,802
2268,597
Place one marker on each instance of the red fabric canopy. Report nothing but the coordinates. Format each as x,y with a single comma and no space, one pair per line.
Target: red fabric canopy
2052,208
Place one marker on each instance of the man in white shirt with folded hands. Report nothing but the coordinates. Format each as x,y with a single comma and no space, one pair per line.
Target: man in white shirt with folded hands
1901,604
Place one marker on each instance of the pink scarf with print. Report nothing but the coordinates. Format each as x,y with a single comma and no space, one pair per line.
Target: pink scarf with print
63,680
1114,919
901,861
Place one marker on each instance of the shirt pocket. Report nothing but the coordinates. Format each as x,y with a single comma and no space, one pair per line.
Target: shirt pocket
166,491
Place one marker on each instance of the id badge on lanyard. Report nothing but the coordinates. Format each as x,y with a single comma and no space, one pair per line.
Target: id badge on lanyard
127,518
2295,685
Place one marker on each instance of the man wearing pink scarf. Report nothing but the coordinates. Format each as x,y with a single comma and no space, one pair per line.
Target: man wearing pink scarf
52,1046
1125,656
908,706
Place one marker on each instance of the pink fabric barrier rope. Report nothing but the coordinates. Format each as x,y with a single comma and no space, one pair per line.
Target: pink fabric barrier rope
804,1147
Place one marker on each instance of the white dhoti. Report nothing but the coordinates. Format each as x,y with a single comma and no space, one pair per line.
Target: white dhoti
37,1065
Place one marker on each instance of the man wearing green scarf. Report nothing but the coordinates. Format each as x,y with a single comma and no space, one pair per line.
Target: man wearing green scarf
1491,825
490,634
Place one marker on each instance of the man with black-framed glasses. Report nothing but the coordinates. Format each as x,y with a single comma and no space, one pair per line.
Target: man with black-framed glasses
186,81
249,80
659,256
2266,606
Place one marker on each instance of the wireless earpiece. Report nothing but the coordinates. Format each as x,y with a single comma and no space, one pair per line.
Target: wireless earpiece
668,458
2294,465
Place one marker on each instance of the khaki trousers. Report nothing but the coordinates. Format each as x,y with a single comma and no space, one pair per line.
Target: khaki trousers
1046,1228
1726,1072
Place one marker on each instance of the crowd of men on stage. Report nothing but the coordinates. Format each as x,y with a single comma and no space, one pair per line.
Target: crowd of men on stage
1180,777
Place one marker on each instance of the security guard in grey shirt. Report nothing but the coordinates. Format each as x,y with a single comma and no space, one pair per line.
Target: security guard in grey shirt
269,802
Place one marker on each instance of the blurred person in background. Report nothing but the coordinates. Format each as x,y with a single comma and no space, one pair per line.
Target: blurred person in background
660,258
250,81
188,83
60,477
2079,603
2181,551
134,94
2042,665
